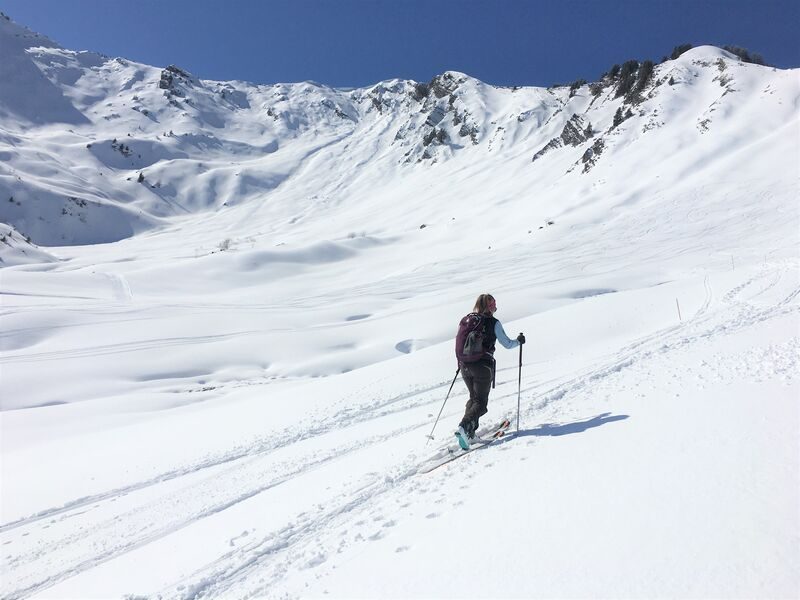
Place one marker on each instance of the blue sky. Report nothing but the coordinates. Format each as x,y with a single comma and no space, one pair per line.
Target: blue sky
352,43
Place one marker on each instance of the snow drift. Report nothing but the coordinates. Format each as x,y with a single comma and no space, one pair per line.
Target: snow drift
228,313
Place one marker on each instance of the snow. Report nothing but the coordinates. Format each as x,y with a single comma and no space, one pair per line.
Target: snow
218,382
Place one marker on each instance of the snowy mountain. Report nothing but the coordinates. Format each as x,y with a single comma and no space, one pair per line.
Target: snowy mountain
228,314
135,147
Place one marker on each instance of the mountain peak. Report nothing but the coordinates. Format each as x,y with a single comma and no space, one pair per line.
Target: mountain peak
16,36
134,143
707,53
27,95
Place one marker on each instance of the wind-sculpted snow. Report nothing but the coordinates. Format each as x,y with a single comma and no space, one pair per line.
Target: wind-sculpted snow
316,254
27,94
301,537
227,329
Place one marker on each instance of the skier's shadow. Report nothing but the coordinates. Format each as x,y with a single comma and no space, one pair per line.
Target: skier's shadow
548,429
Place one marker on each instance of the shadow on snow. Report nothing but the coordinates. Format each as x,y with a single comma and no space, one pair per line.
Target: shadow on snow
549,429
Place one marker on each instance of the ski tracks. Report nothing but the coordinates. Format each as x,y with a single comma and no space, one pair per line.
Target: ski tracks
759,298
257,568
95,530
86,538
313,545
369,506
120,287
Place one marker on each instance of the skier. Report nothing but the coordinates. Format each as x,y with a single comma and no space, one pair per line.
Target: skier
475,344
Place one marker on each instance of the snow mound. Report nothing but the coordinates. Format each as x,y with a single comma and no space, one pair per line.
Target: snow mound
706,53
248,382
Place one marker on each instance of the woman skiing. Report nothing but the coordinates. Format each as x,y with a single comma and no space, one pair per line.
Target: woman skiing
475,343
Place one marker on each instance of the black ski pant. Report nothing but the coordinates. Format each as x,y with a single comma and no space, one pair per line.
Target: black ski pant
478,377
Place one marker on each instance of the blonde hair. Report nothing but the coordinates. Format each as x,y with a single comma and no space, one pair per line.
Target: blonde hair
482,303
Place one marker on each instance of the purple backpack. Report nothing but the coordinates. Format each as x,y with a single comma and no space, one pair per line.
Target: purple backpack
470,337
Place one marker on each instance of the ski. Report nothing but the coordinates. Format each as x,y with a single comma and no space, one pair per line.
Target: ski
455,453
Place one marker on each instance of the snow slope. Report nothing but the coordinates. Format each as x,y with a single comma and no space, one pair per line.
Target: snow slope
218,381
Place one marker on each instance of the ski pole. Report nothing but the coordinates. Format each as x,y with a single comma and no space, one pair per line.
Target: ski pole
430,436
519,384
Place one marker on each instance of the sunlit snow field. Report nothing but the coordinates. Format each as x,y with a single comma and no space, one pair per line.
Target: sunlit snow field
234,401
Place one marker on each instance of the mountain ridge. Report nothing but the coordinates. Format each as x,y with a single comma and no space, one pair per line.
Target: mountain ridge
224,371
142,145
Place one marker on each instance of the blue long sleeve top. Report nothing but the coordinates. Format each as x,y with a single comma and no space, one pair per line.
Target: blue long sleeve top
503,338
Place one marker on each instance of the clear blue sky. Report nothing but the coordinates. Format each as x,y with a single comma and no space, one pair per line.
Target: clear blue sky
353,43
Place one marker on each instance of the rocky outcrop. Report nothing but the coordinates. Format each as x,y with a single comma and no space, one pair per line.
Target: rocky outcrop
441,98
171,79
592,154
575,132
445,84
331,105
436,115
438,87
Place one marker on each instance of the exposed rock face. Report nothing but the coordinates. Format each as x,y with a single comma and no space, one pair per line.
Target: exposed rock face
438,136
171,77
470,131
330,105
438,87
592,154
441,98
445,84
198,145
421,91
575,132
437,114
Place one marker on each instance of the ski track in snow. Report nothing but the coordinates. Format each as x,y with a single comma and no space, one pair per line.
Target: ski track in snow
314,542
287,234
90,531
120,288
122,348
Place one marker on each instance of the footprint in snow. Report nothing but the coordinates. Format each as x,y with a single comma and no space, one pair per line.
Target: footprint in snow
315,561
432,515
402,549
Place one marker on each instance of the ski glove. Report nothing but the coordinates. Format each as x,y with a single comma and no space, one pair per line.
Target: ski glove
521,338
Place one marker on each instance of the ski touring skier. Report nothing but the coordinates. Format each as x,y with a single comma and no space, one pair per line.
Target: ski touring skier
475,344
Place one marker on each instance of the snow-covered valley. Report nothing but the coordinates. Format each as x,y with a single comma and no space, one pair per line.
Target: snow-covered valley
227,328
